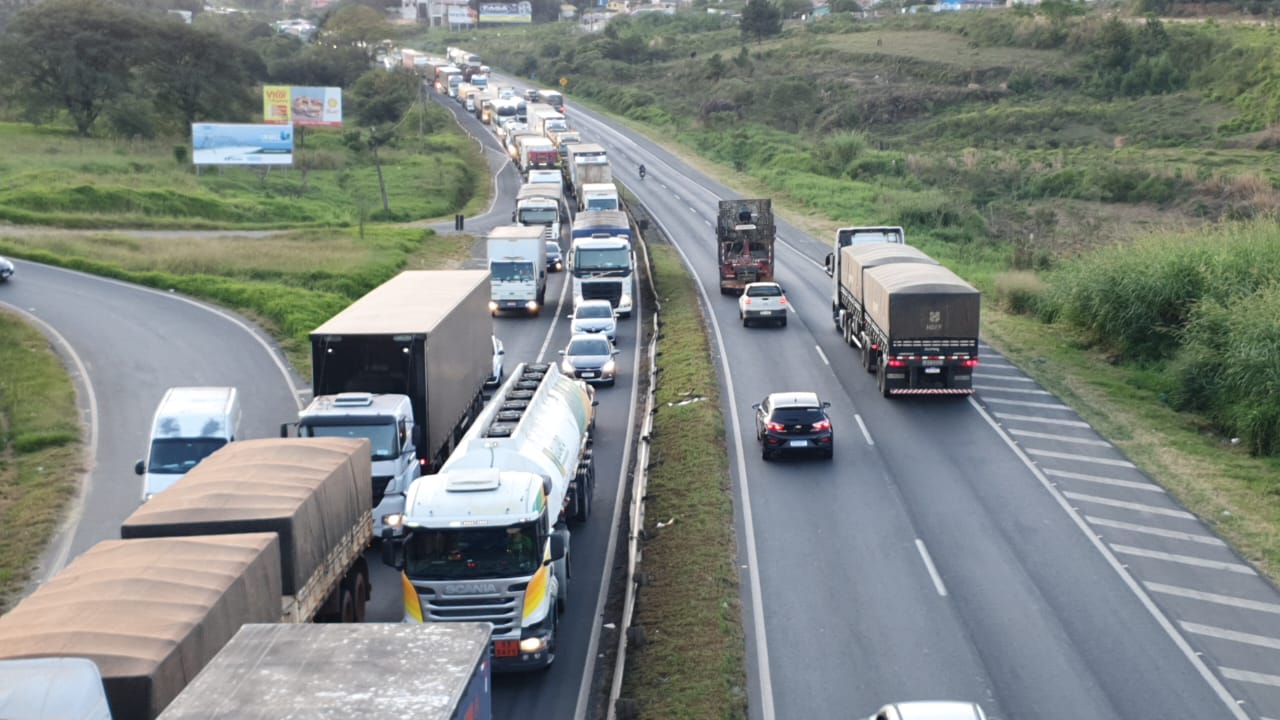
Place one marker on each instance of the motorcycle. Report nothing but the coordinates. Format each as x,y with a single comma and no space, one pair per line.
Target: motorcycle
642,172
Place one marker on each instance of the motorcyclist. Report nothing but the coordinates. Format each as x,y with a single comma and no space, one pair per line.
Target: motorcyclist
641,171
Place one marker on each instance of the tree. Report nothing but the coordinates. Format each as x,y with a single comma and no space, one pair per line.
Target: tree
76,55
356,26
201,74
760,19
382,98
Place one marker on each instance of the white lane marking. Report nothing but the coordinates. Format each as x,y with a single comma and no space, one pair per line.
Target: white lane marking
1033,419
546,341
933,571
708,222
75,511
1188,652
822,355
1026,403
1228,600
693,210
675,195
1137,507
765,681
1146,486
1250,677
1060,438
863,426
1019,391
1004,378
1080,458
1159,532
998,362
1184,559
1232,635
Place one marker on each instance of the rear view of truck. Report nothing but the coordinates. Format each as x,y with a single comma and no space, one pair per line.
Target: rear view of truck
744,239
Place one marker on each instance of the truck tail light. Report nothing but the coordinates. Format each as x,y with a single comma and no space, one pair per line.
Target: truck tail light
896,363
970,362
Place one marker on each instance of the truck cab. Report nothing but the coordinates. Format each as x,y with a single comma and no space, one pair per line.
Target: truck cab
386,421
598,196
861,235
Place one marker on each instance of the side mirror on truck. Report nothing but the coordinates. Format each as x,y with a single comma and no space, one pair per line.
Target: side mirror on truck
829,264
557,547
392,549
140,467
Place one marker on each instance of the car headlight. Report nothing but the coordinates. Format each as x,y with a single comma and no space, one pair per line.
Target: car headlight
566,367
608,367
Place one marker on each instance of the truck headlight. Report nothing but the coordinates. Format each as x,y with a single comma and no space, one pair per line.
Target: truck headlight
533,644
532,305
493,306
393,520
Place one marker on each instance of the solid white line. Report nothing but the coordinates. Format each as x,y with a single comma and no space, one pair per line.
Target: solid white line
822,355
75,511
1188,652
1185,559
1138,507
1232,635
765,680
1033,419
863,426
933,571
1026,403
1060,438
1019,391
1250,677
1080,458
1160,532
1145,486
1229,600
564,290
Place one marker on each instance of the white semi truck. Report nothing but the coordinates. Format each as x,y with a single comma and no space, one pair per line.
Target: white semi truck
602,261
487,539
517,268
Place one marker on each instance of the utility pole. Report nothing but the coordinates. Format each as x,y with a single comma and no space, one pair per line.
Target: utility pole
377,163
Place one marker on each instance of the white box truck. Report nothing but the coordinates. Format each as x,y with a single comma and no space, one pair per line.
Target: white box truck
517,268
189,424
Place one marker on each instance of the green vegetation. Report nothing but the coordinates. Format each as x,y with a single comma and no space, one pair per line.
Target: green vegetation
40,450
691,664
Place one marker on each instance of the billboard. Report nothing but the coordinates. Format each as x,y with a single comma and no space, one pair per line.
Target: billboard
285,104
461,15
240,144
511,12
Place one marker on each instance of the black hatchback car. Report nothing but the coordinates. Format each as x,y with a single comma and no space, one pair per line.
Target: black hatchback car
793,422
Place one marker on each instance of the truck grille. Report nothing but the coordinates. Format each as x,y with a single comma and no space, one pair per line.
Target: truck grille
380,484
501,610
610,291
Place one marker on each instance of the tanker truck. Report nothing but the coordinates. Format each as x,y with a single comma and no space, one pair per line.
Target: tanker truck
915,321
487,538
261,531
744,241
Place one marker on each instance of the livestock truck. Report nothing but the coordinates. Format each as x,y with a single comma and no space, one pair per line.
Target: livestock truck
487,539
405,367
602,261
744,243
261,531
915,322
268,672
518,268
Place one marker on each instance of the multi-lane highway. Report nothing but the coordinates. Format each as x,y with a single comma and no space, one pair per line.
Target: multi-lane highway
994,549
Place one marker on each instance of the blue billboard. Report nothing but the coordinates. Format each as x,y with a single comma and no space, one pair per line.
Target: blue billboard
241,144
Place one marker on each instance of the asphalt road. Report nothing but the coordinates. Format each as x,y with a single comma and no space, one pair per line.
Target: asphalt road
994,549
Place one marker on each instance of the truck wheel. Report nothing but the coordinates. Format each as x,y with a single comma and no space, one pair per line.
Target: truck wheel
884,380
868,361
359,586
346,606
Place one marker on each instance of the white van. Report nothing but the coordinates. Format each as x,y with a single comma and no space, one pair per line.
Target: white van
190,423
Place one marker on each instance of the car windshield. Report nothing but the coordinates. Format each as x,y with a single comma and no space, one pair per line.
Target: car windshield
764,291
589,346
382,438
797,415
595,311
487,552
553,248
178,455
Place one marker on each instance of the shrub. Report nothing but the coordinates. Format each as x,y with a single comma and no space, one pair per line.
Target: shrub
1020,291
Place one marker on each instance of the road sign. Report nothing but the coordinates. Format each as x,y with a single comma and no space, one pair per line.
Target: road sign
564,81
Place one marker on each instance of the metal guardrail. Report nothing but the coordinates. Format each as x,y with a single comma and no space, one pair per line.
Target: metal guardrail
638,490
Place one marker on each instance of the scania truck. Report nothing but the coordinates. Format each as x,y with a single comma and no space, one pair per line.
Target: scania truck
487,538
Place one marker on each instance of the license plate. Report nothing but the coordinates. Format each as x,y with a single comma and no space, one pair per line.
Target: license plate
766,312
588,374
799,443
932,371
506,648
932,363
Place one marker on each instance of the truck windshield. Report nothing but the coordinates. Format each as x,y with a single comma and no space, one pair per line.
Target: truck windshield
382,438
602,203
538,216
486,552
589,260
170,456
507,271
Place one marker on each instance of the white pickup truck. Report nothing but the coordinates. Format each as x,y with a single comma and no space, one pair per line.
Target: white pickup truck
763,301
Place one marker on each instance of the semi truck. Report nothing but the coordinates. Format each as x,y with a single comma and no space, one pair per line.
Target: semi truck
588,163
517,268
536,152
601,259
262,531
861,235
915,322
423,334
487,539
599,196
744,239
267,672
539,204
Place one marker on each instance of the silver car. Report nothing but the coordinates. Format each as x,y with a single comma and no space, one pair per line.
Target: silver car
590,358
930,710
594,316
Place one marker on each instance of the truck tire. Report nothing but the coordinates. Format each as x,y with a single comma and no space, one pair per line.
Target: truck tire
868,357
883,377
358,584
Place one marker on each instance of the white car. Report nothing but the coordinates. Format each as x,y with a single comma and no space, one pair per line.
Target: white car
495,378
763,301
6,269
930,710
594,316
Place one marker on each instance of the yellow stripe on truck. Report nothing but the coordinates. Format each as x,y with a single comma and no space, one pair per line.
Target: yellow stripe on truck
412,604
536,592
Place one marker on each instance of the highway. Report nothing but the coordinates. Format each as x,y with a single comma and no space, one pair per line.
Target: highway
992,549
